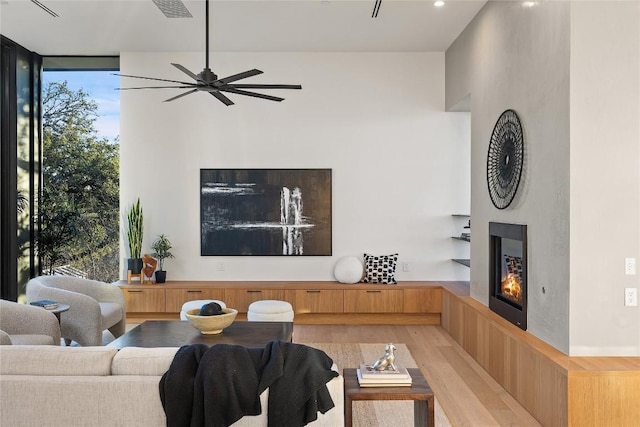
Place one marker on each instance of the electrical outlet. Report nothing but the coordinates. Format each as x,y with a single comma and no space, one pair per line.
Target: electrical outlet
631,297
630,266
406,266
221,266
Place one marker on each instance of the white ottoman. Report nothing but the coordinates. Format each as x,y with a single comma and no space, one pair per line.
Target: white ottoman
190,305
270,311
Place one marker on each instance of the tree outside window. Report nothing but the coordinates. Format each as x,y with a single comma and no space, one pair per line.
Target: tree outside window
80,196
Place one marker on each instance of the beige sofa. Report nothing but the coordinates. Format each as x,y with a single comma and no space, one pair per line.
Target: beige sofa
100,386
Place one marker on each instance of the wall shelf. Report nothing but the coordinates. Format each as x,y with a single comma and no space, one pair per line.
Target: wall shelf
466,262
463,261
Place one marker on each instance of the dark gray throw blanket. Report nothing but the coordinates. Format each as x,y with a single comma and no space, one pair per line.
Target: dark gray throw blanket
219,385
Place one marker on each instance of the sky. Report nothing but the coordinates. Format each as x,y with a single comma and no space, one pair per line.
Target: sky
101,87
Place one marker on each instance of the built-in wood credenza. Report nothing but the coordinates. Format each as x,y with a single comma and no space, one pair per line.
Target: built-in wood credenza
312,301
556,389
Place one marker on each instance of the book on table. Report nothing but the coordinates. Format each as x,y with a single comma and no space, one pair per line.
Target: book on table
45,303
390,381
366,378
400,372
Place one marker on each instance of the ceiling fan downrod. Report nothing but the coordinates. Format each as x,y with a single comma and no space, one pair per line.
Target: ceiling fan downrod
207,76
206,36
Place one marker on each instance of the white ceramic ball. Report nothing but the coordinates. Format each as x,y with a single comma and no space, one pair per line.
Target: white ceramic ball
348,270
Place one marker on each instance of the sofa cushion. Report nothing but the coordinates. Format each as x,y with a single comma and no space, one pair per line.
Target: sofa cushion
66,401
143,361
31,339
380,269
51,360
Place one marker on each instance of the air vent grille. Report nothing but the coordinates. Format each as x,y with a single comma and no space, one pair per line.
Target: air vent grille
45,8
173,8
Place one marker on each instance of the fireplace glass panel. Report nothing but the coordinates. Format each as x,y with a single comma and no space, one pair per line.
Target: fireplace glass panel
511,283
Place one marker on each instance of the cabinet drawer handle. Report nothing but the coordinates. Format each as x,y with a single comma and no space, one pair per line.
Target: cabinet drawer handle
135,292
194,291
313,292
254,292
374,292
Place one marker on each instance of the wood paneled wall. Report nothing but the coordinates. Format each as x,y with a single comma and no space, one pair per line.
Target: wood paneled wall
556,389
604,398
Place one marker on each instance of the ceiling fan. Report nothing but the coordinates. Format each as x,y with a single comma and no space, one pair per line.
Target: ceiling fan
208,81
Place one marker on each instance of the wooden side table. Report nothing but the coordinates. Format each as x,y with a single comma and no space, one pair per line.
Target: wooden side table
420,392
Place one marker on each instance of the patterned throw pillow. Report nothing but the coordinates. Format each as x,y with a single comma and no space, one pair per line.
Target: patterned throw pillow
380,269
514,265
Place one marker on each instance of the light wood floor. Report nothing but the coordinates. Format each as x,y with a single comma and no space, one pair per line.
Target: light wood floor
468,395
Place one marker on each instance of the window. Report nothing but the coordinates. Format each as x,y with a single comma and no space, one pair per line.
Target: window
19,165
80,168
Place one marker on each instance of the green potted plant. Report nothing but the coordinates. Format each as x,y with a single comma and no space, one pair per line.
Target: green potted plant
134,236
161,251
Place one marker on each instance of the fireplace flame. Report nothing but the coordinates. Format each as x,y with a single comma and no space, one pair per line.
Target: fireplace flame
511,288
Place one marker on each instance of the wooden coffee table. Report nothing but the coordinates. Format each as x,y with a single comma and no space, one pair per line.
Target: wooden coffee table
176,333
420,392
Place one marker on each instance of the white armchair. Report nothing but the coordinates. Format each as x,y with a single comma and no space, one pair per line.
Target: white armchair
25,324
94,306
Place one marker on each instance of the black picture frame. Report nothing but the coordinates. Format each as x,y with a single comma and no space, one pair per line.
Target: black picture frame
265,212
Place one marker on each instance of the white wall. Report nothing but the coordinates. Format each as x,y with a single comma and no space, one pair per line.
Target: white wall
605,176
570,70
400,163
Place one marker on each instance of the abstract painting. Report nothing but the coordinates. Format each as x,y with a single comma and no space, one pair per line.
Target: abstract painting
265,212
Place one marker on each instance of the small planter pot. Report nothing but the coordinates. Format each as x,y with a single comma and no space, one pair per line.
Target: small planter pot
161,276
135,265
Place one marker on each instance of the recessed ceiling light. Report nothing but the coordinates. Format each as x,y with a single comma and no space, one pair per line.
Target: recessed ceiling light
439,3
529,3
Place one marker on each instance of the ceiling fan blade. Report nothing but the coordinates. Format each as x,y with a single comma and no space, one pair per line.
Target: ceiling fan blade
254,94
153,78
157,87
265,86
240,76
216,92
187,72
226,101
181,95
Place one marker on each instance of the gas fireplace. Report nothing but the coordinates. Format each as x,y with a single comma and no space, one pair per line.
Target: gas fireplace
508,272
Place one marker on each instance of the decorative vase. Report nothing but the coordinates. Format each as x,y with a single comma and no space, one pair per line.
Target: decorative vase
161,276
135,265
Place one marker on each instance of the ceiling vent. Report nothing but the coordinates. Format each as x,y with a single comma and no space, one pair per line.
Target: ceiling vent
45,8
173,8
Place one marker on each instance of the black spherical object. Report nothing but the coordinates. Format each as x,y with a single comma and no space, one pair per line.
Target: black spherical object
211,309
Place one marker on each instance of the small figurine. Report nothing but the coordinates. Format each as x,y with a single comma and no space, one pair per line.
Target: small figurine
386,362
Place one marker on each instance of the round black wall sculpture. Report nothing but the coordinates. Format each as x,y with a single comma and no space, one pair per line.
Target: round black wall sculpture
505,159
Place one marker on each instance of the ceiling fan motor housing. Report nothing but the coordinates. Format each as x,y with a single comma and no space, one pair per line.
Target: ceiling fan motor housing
207,76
